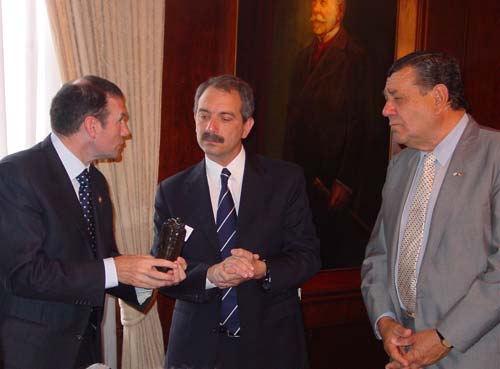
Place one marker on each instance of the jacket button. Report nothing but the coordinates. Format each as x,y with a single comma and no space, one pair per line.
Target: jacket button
79,337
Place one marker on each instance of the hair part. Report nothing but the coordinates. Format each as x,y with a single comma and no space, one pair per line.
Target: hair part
78,99
228,83
433,68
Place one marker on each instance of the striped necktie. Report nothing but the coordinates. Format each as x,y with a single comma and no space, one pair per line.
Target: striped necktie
226,232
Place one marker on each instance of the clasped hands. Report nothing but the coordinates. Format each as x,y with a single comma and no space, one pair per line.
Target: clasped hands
409,350
240,267
140,271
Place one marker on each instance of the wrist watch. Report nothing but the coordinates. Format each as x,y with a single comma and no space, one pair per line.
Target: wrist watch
265,282
444,341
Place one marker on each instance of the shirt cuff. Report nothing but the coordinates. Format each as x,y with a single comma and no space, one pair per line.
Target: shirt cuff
143,294
209,285
110,275
390,315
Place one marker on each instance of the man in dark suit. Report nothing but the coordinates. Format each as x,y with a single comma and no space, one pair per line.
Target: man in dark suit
58,255
328,129
270,250
431,277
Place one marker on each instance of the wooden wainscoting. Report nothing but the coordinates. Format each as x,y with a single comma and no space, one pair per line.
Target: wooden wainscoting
338,331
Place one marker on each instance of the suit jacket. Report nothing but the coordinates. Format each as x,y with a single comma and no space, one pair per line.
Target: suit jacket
458,290
50,279
329,132
273,221
329,112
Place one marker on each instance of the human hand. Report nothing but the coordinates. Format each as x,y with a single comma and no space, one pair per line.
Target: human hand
140,271
233,270
339,196
259,266
391,331
425,348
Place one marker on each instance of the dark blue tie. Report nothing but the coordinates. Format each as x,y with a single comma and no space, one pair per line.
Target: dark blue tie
226,231
85,194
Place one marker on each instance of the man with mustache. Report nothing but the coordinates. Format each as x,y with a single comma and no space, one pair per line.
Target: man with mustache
252,244
58,255
327,130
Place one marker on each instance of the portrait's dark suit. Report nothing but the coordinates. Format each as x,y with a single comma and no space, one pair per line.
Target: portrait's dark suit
328,128
50,280
458,289
273,221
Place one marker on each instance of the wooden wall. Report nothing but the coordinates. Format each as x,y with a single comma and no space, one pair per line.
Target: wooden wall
200,41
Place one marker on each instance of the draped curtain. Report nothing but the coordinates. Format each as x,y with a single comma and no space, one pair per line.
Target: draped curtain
122,40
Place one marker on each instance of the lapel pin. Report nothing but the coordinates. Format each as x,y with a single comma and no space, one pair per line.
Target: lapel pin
99,199
457,174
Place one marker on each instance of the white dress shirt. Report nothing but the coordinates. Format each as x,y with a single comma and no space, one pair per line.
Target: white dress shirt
213,169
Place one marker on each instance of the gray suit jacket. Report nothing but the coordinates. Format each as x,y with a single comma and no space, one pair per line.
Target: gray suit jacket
458,291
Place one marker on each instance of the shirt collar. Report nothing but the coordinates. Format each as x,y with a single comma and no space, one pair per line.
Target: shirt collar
236,167
444,150
71,163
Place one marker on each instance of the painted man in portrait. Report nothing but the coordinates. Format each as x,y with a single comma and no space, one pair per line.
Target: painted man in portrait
328,131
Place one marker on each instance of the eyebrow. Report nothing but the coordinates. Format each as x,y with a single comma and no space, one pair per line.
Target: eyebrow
202,110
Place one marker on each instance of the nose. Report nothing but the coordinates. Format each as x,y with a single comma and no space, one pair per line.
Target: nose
315,6
388,109
212,125
125,131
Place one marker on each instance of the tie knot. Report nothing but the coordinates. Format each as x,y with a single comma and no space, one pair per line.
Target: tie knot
84,177
224,176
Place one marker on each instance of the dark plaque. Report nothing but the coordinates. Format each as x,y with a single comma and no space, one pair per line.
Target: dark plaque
171,240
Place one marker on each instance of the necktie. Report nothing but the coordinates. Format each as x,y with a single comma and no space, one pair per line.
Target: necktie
226,232
85,194
413,234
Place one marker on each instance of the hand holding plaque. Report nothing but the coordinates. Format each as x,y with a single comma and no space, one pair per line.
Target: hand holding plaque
171,239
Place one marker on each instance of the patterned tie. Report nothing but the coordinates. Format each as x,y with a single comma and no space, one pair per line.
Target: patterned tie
413,234
85,194
226,231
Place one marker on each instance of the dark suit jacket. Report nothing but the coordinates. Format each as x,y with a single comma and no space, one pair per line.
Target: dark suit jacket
329,132
50,279
329,110
273,221
458,288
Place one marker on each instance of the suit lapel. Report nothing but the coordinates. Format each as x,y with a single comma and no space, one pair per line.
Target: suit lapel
398,194
446,204
98,199
255,192
196,197
63,188
328,63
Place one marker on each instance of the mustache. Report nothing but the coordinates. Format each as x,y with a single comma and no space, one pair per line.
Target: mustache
317,18
210,136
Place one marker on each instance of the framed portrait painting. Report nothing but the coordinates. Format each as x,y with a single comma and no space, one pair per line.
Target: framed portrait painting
318,70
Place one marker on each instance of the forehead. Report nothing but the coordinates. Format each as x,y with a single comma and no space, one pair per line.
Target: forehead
215,99
402,79
325,3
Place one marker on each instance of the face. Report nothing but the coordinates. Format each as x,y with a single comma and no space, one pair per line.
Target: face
325,16
219,125
411,114
110,136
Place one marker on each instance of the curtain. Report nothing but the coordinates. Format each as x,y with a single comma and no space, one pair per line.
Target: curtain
29,76
122,40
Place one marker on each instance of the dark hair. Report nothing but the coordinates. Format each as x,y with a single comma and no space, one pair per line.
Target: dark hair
79,99
229,83
433,68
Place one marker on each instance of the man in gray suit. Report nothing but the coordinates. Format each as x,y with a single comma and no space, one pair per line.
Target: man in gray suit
431,276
